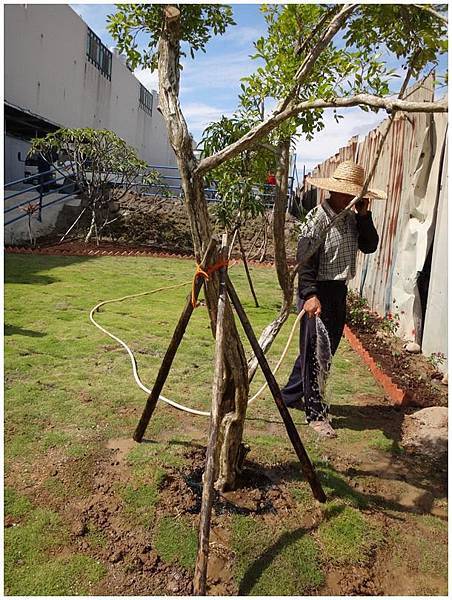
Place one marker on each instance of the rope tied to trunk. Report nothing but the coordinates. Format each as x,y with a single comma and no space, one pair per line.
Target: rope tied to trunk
206,274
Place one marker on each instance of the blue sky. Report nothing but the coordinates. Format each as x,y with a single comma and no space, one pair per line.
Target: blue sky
210,84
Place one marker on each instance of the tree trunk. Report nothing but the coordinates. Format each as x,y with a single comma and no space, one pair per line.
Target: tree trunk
92,226
284,274
235,397
263,248
279,221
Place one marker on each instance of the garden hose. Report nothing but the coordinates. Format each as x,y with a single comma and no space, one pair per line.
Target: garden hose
136,376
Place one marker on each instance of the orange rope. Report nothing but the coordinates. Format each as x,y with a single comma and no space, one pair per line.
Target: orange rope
200,273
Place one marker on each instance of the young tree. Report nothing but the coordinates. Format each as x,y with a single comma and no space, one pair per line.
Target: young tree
102,166
239,182
171,29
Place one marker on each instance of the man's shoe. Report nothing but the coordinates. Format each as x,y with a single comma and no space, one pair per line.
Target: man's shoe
323,428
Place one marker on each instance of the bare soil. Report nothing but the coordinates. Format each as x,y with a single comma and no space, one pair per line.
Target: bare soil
395,487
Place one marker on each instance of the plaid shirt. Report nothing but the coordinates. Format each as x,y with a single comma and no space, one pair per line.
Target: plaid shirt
336,258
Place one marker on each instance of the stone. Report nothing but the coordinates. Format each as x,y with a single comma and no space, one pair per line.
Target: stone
445,380
425,433
413,348
79,529
116,556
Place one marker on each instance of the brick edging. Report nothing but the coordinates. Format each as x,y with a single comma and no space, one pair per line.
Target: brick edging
55,251
398,396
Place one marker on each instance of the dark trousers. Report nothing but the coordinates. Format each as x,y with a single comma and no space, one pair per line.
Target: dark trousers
303,383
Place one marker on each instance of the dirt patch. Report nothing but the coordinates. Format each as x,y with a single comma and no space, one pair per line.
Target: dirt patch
158,225
94,513
413,373
121,446
426,433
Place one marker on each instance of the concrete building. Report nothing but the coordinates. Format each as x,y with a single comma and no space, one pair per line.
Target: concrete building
58,73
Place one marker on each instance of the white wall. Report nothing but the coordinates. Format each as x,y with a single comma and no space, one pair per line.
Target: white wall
47,73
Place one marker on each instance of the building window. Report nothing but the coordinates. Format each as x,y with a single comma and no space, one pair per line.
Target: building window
146,99
98,54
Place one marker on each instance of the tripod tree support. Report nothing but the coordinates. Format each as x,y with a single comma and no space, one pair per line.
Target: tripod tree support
178,334
200,577
306,465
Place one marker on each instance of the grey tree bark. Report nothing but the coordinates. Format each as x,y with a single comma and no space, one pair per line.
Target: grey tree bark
284,274
234,400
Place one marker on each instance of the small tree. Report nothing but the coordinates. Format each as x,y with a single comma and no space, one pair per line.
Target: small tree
170,30
239,182
101,165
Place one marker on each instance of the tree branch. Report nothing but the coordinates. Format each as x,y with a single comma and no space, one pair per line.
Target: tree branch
430,10
299,51
388,103
300,77
309,62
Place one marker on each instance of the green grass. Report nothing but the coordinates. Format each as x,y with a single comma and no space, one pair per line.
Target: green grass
345,382
382,442
423,555
176,542
302,494
69,576
30,568
273,563
335,486
139,502
346,536
16,505
150,455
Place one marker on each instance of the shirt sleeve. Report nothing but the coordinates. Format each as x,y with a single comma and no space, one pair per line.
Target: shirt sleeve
367,234
308,271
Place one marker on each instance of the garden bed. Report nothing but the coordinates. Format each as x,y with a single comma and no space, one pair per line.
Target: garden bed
414,374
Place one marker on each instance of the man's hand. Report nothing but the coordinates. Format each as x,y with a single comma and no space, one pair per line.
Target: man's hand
362,207
312,307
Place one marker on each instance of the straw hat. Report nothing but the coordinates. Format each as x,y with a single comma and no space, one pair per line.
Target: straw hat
348,178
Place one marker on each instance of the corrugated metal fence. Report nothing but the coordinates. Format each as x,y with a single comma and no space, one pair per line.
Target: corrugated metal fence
407,275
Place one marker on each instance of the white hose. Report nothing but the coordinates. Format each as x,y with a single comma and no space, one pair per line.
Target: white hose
136,376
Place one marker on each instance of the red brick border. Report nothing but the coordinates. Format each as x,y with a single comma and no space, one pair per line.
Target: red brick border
90,251
398,396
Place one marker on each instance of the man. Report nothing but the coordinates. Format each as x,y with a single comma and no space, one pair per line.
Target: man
322,282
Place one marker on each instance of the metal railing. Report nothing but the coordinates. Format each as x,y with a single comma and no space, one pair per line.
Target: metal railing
47,185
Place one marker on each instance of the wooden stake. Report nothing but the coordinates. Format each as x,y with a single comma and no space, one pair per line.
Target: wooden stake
245,264
200,577
306,465
165,367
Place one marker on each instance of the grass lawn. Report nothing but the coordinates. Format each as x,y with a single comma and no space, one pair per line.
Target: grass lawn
79,504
